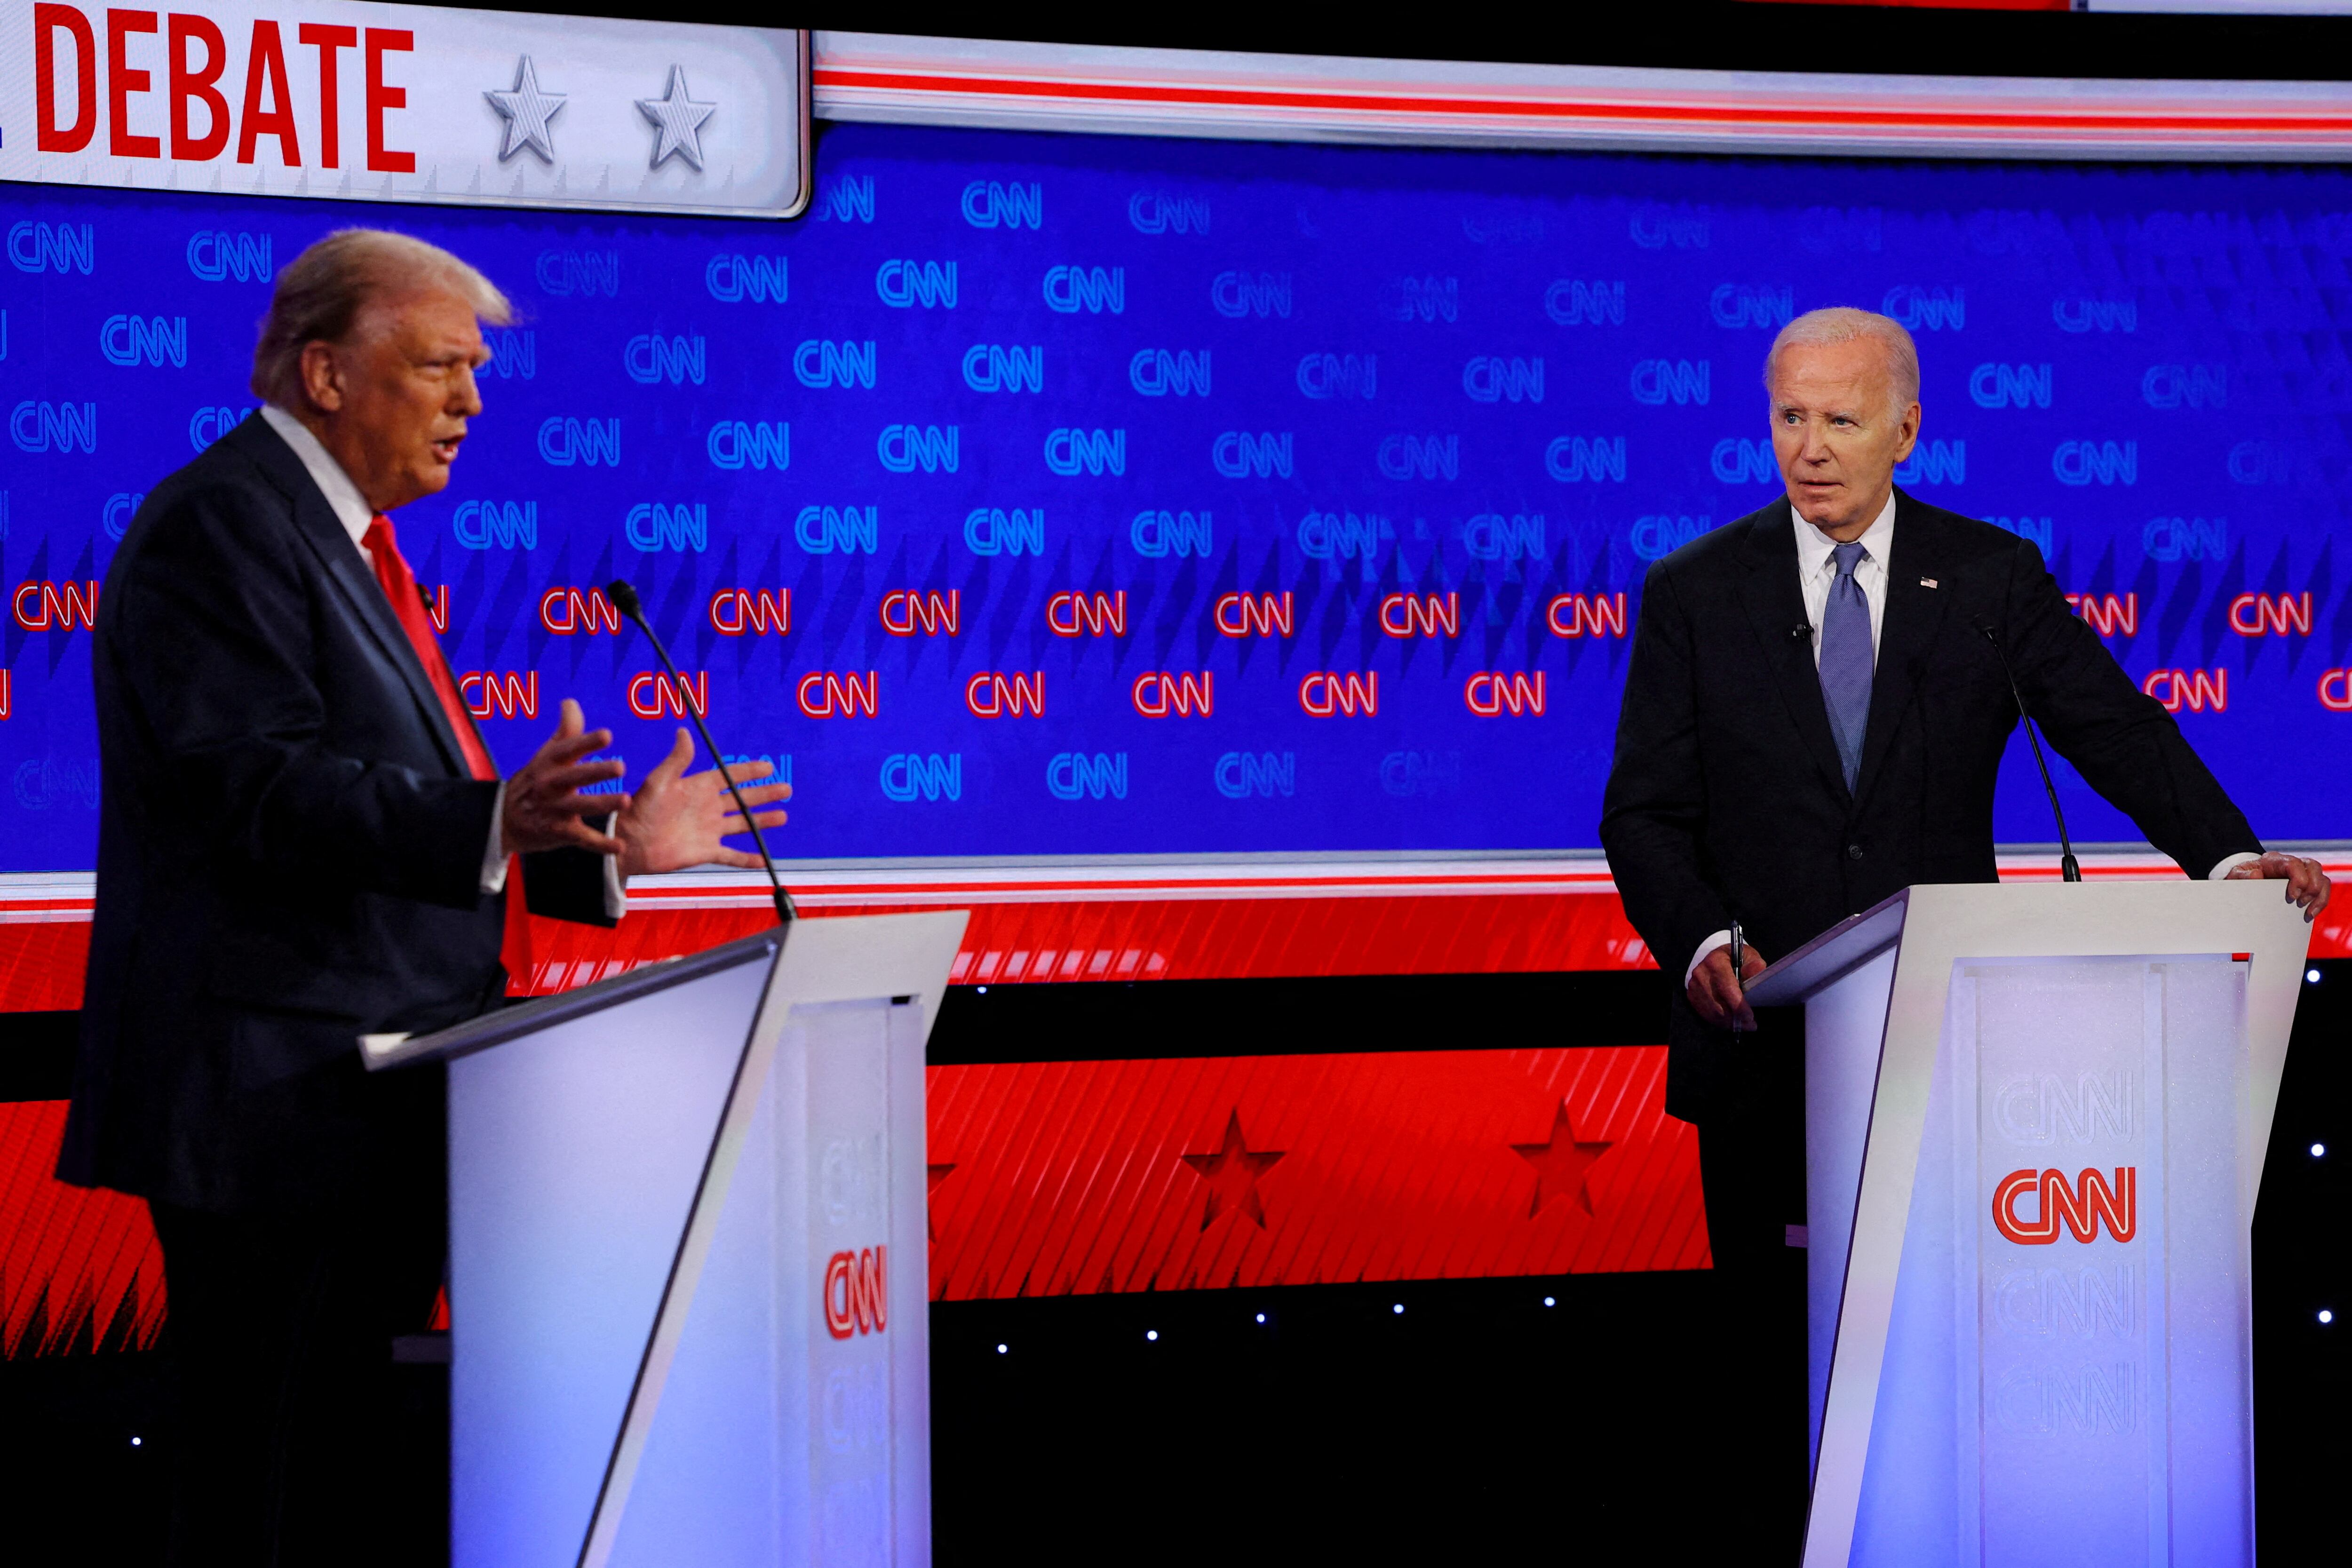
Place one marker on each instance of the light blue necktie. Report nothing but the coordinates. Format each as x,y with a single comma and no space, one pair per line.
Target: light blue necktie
1846,660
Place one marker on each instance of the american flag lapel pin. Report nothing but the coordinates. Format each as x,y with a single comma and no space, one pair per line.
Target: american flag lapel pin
1926,581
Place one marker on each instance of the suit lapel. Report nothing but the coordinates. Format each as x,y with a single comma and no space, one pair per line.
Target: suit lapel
363,595
1915,613
1775,603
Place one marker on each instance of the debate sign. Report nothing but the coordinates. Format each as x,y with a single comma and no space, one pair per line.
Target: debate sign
408,103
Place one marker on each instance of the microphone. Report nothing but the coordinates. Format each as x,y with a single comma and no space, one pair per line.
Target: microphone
2067,869
624,599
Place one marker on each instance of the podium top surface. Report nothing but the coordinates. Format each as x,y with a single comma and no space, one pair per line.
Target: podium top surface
381,1051
1857,938
2001,920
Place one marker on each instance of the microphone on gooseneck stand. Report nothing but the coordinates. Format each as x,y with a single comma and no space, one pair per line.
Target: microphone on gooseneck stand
624,599
2067,868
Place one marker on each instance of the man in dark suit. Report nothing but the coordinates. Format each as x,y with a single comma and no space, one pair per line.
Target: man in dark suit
1814,714
303,839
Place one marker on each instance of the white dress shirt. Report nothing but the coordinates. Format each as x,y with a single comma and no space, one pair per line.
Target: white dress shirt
1816,573
351,510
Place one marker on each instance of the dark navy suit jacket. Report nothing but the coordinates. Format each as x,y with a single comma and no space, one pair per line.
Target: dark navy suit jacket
1726,797
290,848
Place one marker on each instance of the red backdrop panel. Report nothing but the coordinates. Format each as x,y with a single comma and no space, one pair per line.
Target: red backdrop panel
1074,1178
77,1269
1190,938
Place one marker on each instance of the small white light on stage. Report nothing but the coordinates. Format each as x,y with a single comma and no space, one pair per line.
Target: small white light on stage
1000,1350
2317,1150
1152,1333
1547,1301
134,1442
1261,1317
2312,975
2325,1316
1398,1308
983,991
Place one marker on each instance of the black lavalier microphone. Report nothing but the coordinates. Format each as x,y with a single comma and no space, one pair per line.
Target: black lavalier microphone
2067,868
624,599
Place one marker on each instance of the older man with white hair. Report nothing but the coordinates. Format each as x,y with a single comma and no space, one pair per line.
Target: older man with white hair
302,839
1814,717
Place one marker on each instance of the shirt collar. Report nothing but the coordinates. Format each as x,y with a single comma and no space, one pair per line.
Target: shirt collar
1813,546
343,498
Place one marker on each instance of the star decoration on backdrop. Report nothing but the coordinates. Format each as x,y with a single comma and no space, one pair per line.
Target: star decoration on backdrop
937,1174
526,109
680,119
1561,1165
1232,1173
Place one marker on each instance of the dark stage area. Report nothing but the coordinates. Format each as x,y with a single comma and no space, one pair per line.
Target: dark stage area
1555,1418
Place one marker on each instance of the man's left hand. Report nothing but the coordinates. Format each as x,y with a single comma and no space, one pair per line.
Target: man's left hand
675,819
2306,885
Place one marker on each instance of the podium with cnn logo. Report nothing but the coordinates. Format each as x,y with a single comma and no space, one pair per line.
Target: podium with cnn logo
687,1272
2035,1122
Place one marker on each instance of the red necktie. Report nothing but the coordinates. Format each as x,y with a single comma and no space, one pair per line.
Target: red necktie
408,608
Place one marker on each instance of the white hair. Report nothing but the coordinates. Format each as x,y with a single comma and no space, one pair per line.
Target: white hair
323,292
1844,324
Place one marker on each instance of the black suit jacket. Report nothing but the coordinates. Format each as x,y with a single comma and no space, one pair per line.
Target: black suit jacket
290,848
1726,797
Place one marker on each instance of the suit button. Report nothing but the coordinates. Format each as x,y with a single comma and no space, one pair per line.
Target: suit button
1854,851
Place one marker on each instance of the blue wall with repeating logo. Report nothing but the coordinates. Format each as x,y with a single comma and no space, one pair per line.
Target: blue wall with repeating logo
1013,433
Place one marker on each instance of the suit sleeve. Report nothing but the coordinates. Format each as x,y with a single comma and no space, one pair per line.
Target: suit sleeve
1654,809
568,884
210,644
2120,740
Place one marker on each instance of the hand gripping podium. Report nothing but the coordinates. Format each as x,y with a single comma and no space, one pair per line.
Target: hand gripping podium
688,1257
2035,1121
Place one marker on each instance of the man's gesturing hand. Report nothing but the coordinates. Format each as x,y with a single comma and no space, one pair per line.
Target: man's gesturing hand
1716,996
544,805
678,819
2306,885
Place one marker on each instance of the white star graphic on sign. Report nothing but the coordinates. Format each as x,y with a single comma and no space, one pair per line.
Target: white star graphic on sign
680,119
527,111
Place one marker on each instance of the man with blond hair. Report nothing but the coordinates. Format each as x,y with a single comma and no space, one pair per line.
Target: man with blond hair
1814,717
303,839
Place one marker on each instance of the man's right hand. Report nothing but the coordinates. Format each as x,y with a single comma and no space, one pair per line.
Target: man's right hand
1716,996
543,803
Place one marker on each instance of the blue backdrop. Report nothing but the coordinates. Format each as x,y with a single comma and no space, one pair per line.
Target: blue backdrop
1158,392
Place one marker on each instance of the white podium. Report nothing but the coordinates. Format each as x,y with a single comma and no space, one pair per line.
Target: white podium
2035,1121
688,1257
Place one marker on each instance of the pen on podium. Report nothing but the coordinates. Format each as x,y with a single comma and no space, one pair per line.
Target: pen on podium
1738,966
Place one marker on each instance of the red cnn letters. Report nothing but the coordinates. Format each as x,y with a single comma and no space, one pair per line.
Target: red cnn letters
828,694
735,611
652,694
855,1299
2081,1211
1087,615
904,614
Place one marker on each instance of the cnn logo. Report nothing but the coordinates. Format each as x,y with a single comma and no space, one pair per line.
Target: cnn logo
2081,1208
855,1300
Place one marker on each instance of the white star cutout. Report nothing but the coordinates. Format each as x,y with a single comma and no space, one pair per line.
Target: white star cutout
527,111
680,119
